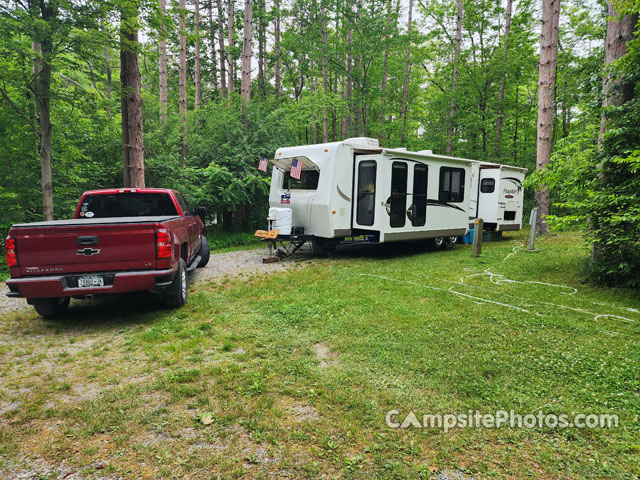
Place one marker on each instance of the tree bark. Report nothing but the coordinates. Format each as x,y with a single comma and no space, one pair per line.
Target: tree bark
546,87
230,42
182,103
349,98
131,101
43,46
245,86
405,82
197,74
500,120
454,81
323,28
223,70
214,55
162,67
261,47
385,68
278,79
614,91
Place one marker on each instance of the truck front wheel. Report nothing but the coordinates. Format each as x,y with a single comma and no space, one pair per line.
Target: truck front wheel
205,252
50,307
176,295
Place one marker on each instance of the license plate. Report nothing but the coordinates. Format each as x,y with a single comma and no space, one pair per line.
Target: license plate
92,281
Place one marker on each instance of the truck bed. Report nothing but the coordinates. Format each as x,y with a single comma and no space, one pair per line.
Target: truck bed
80,222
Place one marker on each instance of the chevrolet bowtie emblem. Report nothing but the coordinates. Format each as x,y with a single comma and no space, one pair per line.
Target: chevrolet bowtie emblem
87,252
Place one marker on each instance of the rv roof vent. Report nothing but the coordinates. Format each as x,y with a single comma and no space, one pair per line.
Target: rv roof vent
403,149
362,142
426,152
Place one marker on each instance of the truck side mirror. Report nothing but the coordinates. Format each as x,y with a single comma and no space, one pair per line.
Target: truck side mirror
201,212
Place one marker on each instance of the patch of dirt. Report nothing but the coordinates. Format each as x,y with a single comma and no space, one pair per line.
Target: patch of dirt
35,468
305,413
452,475
326,356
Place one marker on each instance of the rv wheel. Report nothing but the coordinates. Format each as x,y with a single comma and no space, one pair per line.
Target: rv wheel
322,247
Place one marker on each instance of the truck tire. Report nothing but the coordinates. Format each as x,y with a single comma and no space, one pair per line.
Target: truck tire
176,294
205,252
50,307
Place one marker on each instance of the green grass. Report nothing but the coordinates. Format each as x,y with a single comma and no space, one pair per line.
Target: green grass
292,373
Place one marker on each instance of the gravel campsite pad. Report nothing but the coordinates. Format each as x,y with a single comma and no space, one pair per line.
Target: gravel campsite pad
221,265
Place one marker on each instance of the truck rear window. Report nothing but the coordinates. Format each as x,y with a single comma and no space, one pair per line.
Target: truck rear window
127,205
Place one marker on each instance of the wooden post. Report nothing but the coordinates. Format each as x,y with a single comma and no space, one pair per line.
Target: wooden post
477,237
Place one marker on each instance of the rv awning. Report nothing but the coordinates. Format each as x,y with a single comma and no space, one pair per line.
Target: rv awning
284,164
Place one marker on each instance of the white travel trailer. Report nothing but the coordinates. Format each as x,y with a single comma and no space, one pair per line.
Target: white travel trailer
355,187
497,196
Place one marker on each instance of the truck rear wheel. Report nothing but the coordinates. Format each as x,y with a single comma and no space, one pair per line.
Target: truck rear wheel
50,307
176,295
205,252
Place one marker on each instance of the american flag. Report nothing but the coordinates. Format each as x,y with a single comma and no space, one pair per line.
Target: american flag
296,168
262,166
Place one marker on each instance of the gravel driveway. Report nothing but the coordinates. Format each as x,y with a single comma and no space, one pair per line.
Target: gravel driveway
235,263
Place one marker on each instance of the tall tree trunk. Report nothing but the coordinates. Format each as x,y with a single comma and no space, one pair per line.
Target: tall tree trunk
230,42
214,55
615,91
223,70
197,79
277,73
131,101
349,96
405,82
454,82
500,120
261,46
162,66
43,46
546,87
183,82
385,67
245,86
323,27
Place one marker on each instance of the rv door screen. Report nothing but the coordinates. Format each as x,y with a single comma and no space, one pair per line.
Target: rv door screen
419,211
398,198
366,192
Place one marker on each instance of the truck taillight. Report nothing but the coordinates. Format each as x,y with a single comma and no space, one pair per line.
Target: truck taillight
10,248
163,244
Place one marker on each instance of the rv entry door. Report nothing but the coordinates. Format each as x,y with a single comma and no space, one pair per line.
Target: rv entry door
366,169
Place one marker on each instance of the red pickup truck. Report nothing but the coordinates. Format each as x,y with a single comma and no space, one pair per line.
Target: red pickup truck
119,240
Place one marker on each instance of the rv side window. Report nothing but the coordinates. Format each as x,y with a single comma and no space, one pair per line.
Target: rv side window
308,180
398,198
487,185
366,192
419,213
451,185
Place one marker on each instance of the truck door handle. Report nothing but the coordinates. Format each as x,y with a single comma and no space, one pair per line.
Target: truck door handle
86,241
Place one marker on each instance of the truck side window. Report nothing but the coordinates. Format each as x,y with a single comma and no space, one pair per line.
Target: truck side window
451,185
487,185
183,205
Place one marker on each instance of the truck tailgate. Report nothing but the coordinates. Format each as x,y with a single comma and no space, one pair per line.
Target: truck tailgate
77,246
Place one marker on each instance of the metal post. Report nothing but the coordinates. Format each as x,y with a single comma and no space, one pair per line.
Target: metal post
533,219
477,237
